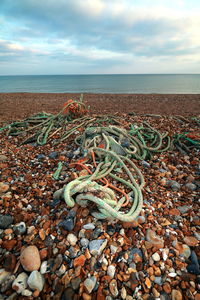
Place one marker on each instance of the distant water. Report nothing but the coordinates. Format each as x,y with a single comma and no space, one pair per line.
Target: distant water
131,84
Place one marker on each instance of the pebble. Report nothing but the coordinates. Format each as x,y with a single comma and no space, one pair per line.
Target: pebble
90,283
20,283
72,239
58,195
53,154
145,164
68,294
164,296
113,249
154,239
3,157
97,246
7,283
19,228
113,288
3,275
26,293
36,281
175,186
30,258
89,226
67,224
44,267
75,283
176,295
9,262
191,241
156,256
158,280
41,156
191,186
84,242
184,209
5,221
111,271
3,187
123,293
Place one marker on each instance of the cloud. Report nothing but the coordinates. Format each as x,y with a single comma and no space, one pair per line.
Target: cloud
95,32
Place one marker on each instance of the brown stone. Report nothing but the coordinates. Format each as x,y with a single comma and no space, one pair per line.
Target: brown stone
9,245
148,282
10,262
167,288
176,295
191,241
174,212
79,261
197,296
154,239
3,187
30,258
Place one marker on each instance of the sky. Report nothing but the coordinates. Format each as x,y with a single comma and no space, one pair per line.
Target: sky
99,37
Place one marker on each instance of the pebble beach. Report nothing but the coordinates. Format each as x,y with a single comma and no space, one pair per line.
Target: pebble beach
51,251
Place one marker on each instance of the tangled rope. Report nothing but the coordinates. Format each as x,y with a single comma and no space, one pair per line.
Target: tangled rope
114,147
87,189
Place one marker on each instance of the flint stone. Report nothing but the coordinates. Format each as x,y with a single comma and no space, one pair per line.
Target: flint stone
36,281
90,283
97,246
5,221
20,283
19,228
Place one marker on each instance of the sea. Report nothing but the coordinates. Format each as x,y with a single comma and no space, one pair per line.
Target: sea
116,84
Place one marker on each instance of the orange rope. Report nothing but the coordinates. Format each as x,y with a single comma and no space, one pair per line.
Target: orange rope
104,181
93,158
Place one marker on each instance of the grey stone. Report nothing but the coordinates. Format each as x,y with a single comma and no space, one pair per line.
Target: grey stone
84,242
97,246
183,209
145,164
36,281
90,283
58,195
53,154
19,228
41,156
175,186
20,283
3,157
75,283
5,221
158,280
67,224
190,186
6,284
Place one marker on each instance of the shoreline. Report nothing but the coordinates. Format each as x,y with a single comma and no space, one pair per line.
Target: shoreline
20,105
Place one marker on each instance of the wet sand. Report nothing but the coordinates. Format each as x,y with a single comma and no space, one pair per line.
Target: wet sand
19,105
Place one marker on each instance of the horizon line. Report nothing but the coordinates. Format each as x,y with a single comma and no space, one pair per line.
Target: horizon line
102,74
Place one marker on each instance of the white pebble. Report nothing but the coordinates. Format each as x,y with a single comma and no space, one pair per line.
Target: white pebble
89,226
44,267
26,293
172,274
111,271
156,256
72,239
20,283
36,281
